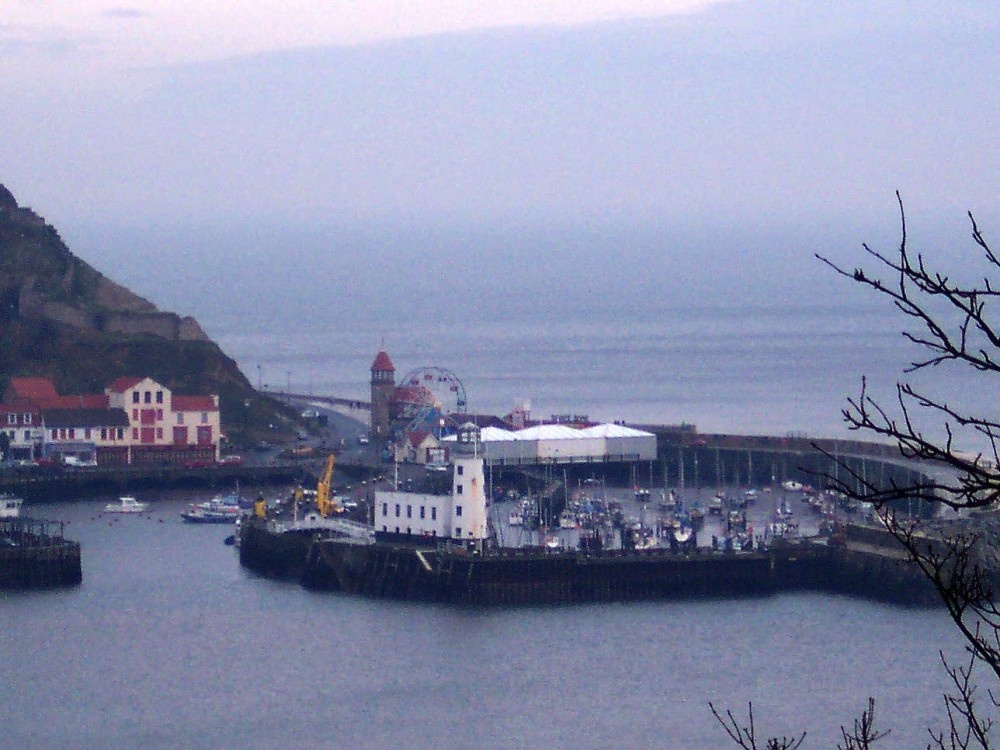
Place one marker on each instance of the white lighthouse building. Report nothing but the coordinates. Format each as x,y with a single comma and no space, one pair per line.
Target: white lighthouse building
422,518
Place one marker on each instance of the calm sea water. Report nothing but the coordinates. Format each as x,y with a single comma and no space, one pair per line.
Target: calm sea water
169,643
746,370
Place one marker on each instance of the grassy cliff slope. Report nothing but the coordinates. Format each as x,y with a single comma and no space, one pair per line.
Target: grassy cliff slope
61,318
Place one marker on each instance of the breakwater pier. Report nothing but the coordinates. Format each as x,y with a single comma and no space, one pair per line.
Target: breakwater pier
530,576
35,554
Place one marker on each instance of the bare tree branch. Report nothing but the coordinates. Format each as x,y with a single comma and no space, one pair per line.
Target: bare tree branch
746,735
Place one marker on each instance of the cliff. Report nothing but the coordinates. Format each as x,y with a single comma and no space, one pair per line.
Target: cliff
61,318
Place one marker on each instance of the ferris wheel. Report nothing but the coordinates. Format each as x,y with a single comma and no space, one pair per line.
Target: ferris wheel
448,391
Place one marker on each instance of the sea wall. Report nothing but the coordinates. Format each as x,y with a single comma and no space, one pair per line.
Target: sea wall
534,576
30,557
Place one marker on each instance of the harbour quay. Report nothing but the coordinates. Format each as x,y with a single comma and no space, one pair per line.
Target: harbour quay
35,554
535,576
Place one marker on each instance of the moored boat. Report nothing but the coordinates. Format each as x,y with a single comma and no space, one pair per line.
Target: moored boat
126,504
10,506
216,510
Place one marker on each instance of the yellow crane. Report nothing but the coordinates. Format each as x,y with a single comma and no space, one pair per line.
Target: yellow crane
324,504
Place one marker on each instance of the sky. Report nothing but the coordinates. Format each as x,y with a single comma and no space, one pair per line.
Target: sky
216,157
758,111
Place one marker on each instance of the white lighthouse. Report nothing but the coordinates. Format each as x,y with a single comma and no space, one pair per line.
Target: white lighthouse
419,518
468,486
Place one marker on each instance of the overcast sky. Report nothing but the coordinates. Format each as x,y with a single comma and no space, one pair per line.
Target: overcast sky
733,138
769,110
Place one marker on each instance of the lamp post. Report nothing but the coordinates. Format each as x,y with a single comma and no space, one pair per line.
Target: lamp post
246,416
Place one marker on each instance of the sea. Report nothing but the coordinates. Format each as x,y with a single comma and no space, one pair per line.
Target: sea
169,643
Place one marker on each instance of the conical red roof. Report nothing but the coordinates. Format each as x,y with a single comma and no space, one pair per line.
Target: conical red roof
383,363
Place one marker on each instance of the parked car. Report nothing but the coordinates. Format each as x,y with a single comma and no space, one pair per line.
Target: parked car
231,461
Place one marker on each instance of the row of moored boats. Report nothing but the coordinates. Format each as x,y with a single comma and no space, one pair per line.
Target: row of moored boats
222,509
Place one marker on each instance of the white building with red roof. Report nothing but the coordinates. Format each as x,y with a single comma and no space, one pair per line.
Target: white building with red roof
163,427
135,421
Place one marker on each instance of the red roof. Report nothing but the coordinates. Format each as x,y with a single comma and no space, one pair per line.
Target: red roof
124,383
83,401
383,363
192,403
413,394
417,437
30,389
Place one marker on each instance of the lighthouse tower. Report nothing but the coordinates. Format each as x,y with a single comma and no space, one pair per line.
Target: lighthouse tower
383,385
468,486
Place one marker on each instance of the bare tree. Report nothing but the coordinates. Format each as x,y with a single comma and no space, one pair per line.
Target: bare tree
951,326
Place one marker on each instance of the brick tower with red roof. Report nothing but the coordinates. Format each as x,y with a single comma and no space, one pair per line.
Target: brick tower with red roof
383,386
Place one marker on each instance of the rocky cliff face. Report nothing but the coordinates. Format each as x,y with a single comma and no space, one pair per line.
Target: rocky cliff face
50,283
61,318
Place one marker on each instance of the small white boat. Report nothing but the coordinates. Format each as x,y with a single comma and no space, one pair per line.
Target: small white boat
10,506
126,504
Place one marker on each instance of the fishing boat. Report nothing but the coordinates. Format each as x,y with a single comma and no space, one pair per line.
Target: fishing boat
567,520
126,504
10,506
216,510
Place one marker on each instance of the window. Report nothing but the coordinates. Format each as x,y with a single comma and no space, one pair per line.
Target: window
11,419
434,514
26,419
409,511
204,417
104,433
180,418
55,433
121,433
135,397
397,512
147,397
62,433
86,433
458,470
458,489
27,436
135,415
72,433
407,529
458,531
159,433
159,397
458,510
135,433
159,414
397,529
385,510
422,511
385,528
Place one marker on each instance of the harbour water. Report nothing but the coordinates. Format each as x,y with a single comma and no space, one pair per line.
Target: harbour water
169,643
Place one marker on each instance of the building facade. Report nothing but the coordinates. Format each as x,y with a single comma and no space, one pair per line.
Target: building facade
425,518
136,420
